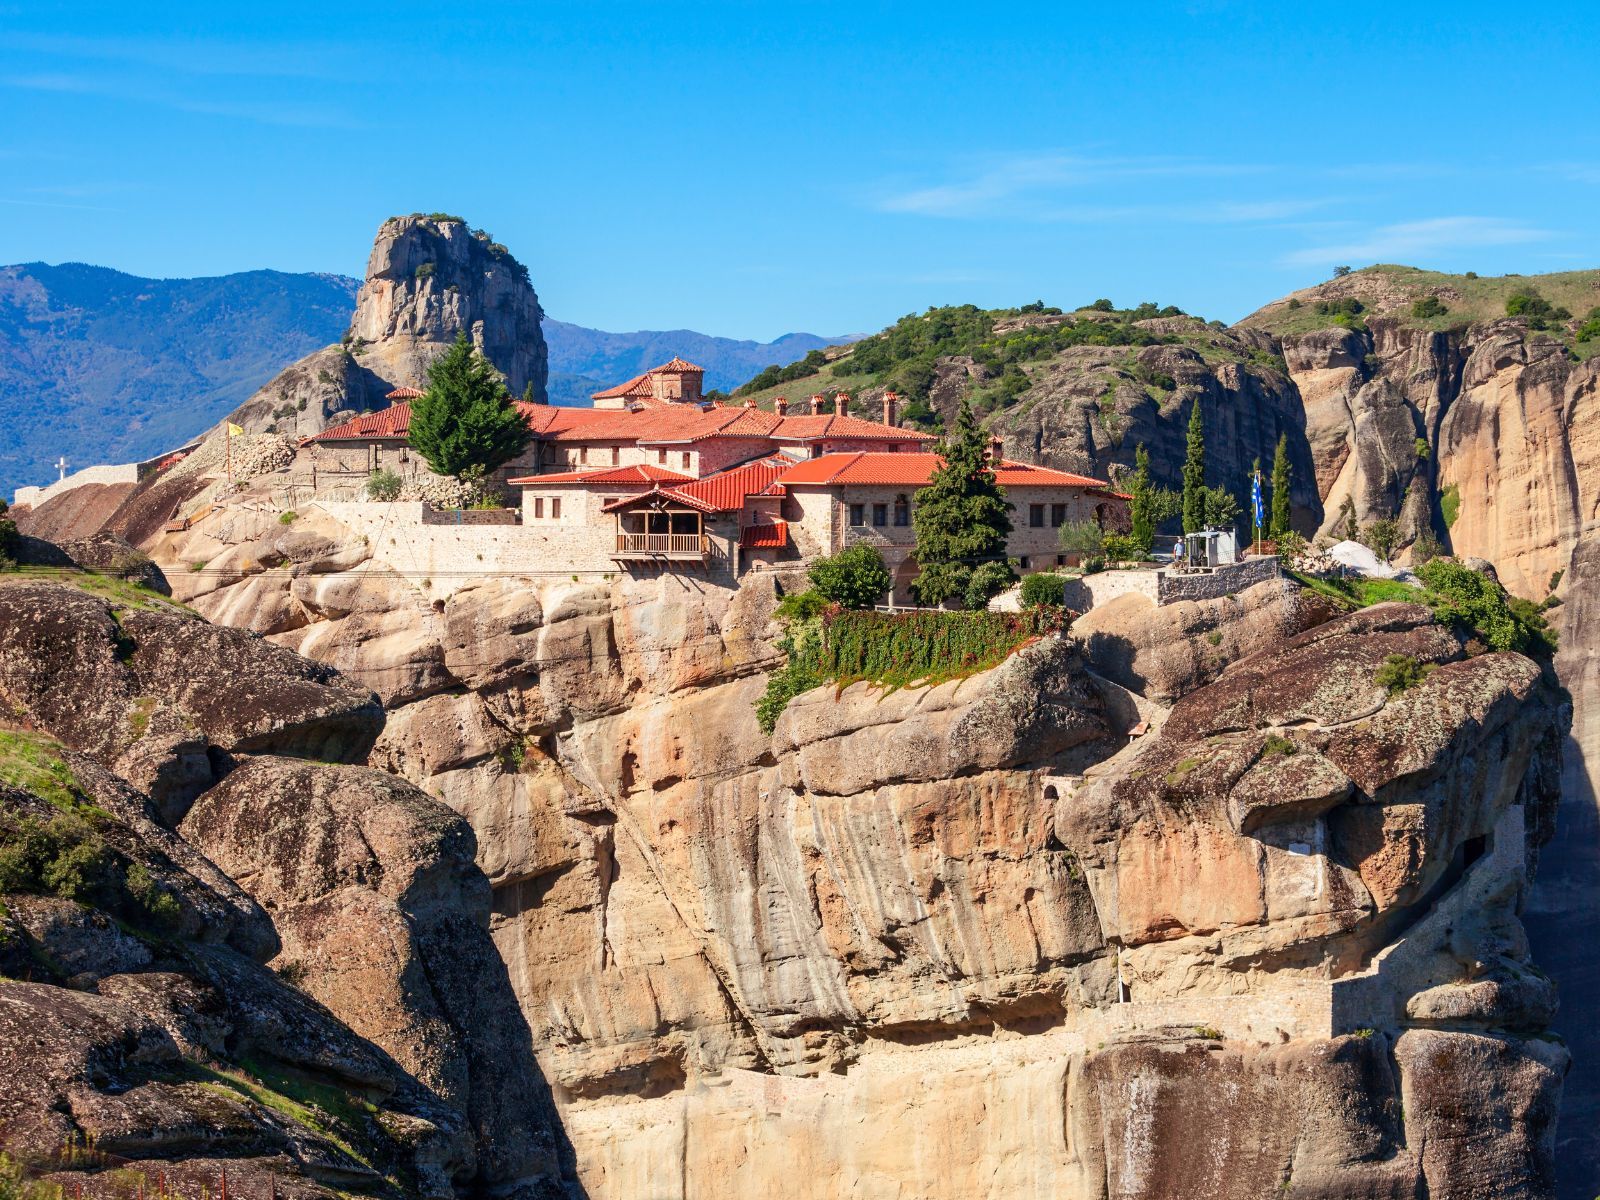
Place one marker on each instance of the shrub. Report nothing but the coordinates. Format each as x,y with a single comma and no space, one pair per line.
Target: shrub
1450,505
1381,536
1535,309
853,578
1083,538
129,564
1426,548
384,485
1121,547
1467,599
1276,745
1340,272
801,606
1421,449
423,271
1043,590
1429,306
1401,672
1293,303
1291,547
1555,578
288,518
1210,1032
986,582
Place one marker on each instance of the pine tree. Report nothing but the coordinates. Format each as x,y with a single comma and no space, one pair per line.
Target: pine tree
1141,510
961,518
1194,474
1280,487
466,422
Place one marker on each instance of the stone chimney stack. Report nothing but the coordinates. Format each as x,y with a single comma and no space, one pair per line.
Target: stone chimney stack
750,403
841,404
890,403
781,406
997,451
816,405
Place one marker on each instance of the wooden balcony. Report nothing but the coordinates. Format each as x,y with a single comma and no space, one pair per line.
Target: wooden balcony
678,547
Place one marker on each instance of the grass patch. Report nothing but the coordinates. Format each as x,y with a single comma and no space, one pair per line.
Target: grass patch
319,1107
1356,592
1181,772
121,593
33,763
1450,505
1400,673
1276,745
895,650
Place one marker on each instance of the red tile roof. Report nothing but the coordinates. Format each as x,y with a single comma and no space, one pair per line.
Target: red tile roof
639,385
404,393
638,473
775,535
391,422
914,470
830,425
726,491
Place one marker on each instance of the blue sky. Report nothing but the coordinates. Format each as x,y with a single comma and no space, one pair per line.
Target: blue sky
750,169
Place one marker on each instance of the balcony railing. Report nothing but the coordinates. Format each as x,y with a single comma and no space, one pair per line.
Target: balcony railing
662,545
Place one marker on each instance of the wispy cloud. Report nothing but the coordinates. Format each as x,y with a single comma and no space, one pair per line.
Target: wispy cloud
1026,185
1414,239
266,112
1577,172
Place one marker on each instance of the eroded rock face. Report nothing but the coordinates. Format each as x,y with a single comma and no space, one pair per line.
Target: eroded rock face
157,695
427,281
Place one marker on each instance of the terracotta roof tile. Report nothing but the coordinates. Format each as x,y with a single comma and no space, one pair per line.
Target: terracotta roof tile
391,422
914,470
637,473
775,535
726,490
403,393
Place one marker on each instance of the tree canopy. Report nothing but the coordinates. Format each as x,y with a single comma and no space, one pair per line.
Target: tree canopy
1194,473
962,518
1280,487
466,423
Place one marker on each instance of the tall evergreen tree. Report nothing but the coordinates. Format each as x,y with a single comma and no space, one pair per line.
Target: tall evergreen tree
466,422
1141,510
962,517
1194,474
1280,487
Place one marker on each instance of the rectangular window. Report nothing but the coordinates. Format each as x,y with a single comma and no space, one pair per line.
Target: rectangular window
880,515
661,457
686,460
613,456
858,514
538,506
583,454
1058,515
1036,516
1023,563
1061,560
555,509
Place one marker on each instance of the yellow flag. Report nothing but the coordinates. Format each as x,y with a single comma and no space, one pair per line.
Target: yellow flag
234,429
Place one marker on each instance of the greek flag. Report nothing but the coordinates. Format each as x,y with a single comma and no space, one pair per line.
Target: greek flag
1255,499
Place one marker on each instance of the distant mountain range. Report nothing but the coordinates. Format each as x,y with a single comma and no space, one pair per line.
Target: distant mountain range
101,366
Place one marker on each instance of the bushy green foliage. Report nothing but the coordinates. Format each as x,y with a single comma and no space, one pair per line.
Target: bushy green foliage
1340,272
383,484
1121,547
1346,312
1589,331
1221,508
1450,505
1043,589
856,577
802,644
1291,546
288,517
1401,672
986,582
1465,598
1278,746
1085,539
962,518
801,606
1429,306
772,376
466,420
1535,309
1381,536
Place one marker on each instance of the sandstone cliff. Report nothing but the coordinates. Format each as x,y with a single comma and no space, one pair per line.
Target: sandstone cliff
428,279
970,940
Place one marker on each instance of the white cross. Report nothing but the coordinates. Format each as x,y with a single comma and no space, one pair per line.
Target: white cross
61,465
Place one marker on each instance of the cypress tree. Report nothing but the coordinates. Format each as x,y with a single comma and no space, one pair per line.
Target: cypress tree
466,422
1280,487
1194,474
1141,510
961,518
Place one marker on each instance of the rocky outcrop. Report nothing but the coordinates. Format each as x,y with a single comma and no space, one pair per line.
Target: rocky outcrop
142,1036
428,279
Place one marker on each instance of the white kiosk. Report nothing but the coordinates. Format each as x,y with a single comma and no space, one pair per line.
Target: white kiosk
1209,549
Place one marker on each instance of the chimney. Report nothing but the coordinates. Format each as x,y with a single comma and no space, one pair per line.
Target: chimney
750,403
997,451
816,405
781,406
890,403
841,404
